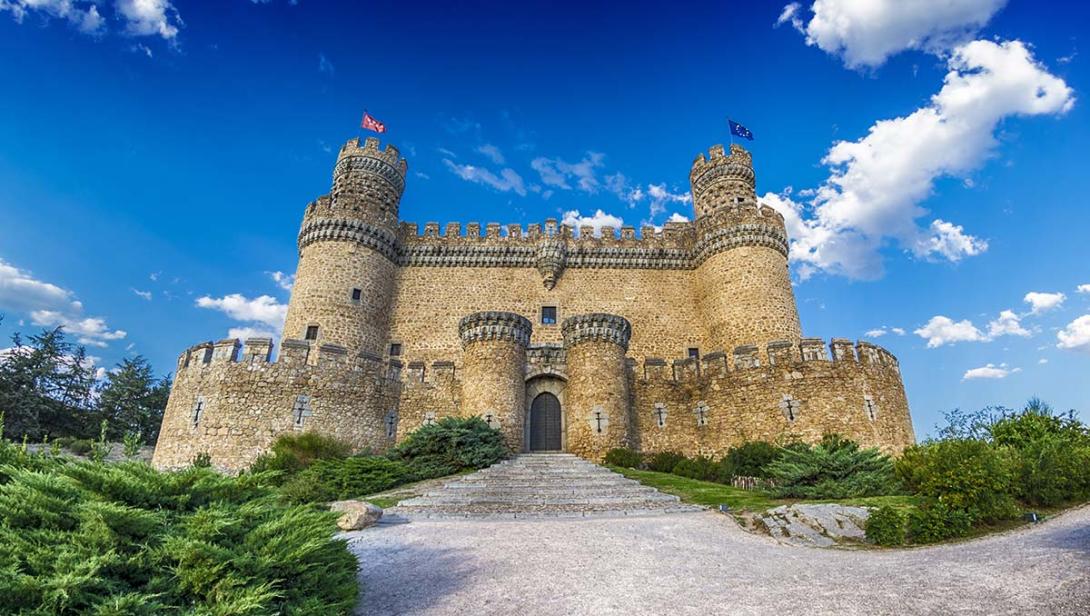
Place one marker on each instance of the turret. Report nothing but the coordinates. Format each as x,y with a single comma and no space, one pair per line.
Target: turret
348,253
743,286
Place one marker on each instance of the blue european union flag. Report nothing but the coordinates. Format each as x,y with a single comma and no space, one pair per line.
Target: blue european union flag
738,130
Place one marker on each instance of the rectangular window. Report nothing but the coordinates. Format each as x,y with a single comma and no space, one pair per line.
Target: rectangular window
548,315
395,349
312,332
357,294
694,353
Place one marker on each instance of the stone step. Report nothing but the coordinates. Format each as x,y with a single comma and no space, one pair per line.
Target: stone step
541,485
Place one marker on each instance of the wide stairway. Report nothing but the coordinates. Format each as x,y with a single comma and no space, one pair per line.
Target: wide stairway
537,486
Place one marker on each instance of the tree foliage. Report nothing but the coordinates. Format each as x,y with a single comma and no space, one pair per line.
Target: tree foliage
834,468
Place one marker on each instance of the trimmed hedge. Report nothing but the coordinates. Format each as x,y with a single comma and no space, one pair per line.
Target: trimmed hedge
623,457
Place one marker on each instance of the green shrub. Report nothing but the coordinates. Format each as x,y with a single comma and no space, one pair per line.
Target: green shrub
700,467
79,446
621,456
751,459
450,445
937,521
963,474
201,460
330,479
886,526
834,468
664,461
87,537
1051,471
1035,422
291,453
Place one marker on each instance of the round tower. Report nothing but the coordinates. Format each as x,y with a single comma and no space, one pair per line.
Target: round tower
494,371
596,396
743,286
348,252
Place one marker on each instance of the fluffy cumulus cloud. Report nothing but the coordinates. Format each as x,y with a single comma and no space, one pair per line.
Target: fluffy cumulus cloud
506,180
876,184
1083,288
942,330
51,306
263,316
864,34
136,17
282,280
1076,335
1042,302
989,371
561,174
660,198
598,220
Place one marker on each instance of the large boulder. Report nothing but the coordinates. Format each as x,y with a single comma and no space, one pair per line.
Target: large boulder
356,514
816,525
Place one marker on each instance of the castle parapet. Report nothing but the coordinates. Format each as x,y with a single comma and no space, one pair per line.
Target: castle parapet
226,351
813,349
715,363
745,356
596,326
294,352
258,350
332,356
493,325
842,349
781,352
654,369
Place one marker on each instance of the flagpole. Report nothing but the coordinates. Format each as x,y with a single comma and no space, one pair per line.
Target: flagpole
730,132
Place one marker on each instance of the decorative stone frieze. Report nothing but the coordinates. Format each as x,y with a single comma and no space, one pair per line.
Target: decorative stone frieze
495,326
596,326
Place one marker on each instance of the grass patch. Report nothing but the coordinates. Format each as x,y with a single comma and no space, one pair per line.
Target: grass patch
384,502
713,494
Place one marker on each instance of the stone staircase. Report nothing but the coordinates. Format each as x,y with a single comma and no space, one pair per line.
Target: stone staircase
541,486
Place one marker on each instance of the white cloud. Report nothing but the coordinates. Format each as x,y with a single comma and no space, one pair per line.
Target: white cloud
990,371
282,280
138,17
244,333
676,217
1076,335
1042,302
149,18
20,291
1042,361
493,153
598,220
876,184
51,306
942,330
866,33
263,309
659,197
91,331
1083,288
556,172
507,180
897,330
875,333
146,295
325,66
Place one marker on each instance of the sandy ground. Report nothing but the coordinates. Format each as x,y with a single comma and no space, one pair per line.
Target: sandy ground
703,563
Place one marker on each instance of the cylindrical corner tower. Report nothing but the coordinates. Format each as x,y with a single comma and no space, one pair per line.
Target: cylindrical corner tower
494,371
743,286
596,397
348,252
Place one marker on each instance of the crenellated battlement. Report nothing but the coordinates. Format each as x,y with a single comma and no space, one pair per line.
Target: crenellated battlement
257,352
370,149
780,354
722,180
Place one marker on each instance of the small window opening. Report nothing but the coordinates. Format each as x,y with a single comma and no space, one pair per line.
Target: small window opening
312,332
694,353
395,349
548,315
357,294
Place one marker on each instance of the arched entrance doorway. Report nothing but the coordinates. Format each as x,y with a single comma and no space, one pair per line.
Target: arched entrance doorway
545,431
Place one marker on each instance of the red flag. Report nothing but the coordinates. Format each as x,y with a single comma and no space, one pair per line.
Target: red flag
370,123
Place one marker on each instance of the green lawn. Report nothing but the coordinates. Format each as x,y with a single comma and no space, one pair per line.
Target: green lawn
713,494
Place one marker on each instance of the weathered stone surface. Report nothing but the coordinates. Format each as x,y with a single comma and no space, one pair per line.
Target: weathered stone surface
356,514
697,315
816,525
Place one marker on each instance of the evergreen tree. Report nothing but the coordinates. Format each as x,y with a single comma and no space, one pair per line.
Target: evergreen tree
45,386
132,399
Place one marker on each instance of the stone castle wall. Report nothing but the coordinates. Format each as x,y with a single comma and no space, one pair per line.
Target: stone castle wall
463,307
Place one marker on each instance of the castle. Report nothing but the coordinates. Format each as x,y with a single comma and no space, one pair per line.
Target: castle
684,339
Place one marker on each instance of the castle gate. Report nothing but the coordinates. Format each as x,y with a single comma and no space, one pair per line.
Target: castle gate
545,429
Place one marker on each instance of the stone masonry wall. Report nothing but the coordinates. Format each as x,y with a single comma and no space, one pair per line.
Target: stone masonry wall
244,405
596,396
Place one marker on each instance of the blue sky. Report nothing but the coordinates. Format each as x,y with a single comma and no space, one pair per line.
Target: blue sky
156,156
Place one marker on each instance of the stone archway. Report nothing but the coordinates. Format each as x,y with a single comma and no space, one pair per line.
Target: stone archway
547,393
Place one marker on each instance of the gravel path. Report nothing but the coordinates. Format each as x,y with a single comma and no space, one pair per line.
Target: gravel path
703,563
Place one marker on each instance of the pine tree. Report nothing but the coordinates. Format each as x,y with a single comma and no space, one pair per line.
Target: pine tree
45,386
132,399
